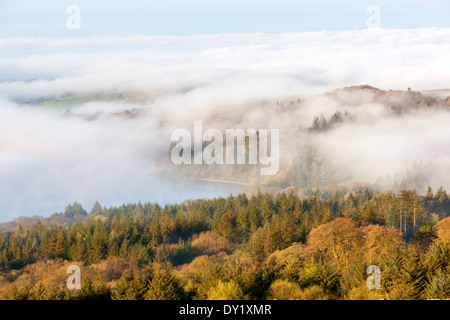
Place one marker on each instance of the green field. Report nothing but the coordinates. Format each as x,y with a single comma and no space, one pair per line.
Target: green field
74,100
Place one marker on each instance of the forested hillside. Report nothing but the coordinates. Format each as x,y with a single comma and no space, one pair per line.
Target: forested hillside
241,247
335,139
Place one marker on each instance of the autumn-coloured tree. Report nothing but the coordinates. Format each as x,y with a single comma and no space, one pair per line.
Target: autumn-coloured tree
338,241
425,237
377,240
443,230
229,290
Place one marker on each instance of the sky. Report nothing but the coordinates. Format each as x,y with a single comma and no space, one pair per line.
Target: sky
47,18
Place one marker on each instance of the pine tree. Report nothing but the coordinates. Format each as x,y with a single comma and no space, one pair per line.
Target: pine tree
81,250
256,246
99,245
438,287
165,286
391,266
413,272
405,214
61,246
49,244
132,285
429,194
442,202
15,253
226,226
420,215
96,208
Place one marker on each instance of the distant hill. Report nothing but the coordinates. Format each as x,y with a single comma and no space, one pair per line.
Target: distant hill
399,100
307,169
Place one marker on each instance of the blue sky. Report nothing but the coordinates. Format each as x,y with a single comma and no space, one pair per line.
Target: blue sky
184,17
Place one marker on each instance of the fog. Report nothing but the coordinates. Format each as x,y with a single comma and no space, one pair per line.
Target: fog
386,146
50,156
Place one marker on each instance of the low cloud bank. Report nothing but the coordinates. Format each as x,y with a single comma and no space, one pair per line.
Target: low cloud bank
95,150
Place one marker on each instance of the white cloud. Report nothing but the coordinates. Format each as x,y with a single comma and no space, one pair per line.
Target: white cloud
196,78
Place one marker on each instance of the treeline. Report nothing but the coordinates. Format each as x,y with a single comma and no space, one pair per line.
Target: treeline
322,124
241,247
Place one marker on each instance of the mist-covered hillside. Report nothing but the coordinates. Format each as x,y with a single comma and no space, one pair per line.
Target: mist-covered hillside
358,136
90,119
